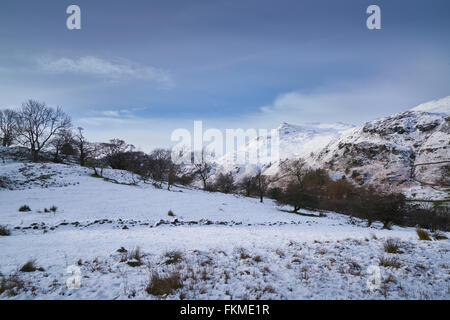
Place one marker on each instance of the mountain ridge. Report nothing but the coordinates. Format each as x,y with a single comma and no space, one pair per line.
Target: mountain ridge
390,151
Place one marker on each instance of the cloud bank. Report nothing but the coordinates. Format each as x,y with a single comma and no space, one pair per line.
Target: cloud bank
105,69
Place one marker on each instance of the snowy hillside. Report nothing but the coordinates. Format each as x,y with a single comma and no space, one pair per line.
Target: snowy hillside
406,151
212,245
435,106
294,141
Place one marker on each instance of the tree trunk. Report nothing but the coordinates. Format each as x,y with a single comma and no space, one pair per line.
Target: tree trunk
55,158
35,155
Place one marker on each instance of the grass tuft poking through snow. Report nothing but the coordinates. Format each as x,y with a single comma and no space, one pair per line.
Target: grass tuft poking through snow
133,258
24,208
30,266
423,235
390,262
160,285
392,246
4,231
173,257
11,285
438,235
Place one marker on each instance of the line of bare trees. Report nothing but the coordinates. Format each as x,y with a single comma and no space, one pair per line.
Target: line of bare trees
41,128
34,125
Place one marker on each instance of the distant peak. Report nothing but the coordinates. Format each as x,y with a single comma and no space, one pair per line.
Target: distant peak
435,106
314,126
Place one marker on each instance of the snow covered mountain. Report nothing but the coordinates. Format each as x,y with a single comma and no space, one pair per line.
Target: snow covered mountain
435,106
295,141
407,151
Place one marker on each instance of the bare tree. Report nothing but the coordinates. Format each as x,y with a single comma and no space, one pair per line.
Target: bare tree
224,183
8,126
60,141
261,183
203,166
97,158
82,145
293,170
176,166
37,124
174,171
159,165
248,184
117,153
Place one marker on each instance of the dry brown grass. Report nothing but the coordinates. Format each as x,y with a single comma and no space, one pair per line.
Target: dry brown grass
173,257
423,235
438,235
4,231
24,208
30,266
163,285
392,246
390,262
11,284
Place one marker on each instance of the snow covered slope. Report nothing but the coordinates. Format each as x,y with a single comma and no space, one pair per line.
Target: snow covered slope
435,106
294,141
406,151
226,246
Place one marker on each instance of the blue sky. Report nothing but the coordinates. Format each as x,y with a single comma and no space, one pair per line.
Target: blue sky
140,69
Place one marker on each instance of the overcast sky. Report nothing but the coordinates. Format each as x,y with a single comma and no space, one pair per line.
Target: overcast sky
139,69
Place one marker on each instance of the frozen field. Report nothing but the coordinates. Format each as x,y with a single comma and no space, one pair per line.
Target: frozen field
214,246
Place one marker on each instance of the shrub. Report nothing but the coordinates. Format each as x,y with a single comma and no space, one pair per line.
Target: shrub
4,231
30,266
423,235
24,208
257,258
390,262
392,246
173,257
438,235
224,183
163,285
12,285
170,213
275,193
53,208
297,196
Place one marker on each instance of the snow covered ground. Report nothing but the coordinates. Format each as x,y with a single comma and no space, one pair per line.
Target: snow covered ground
214,246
